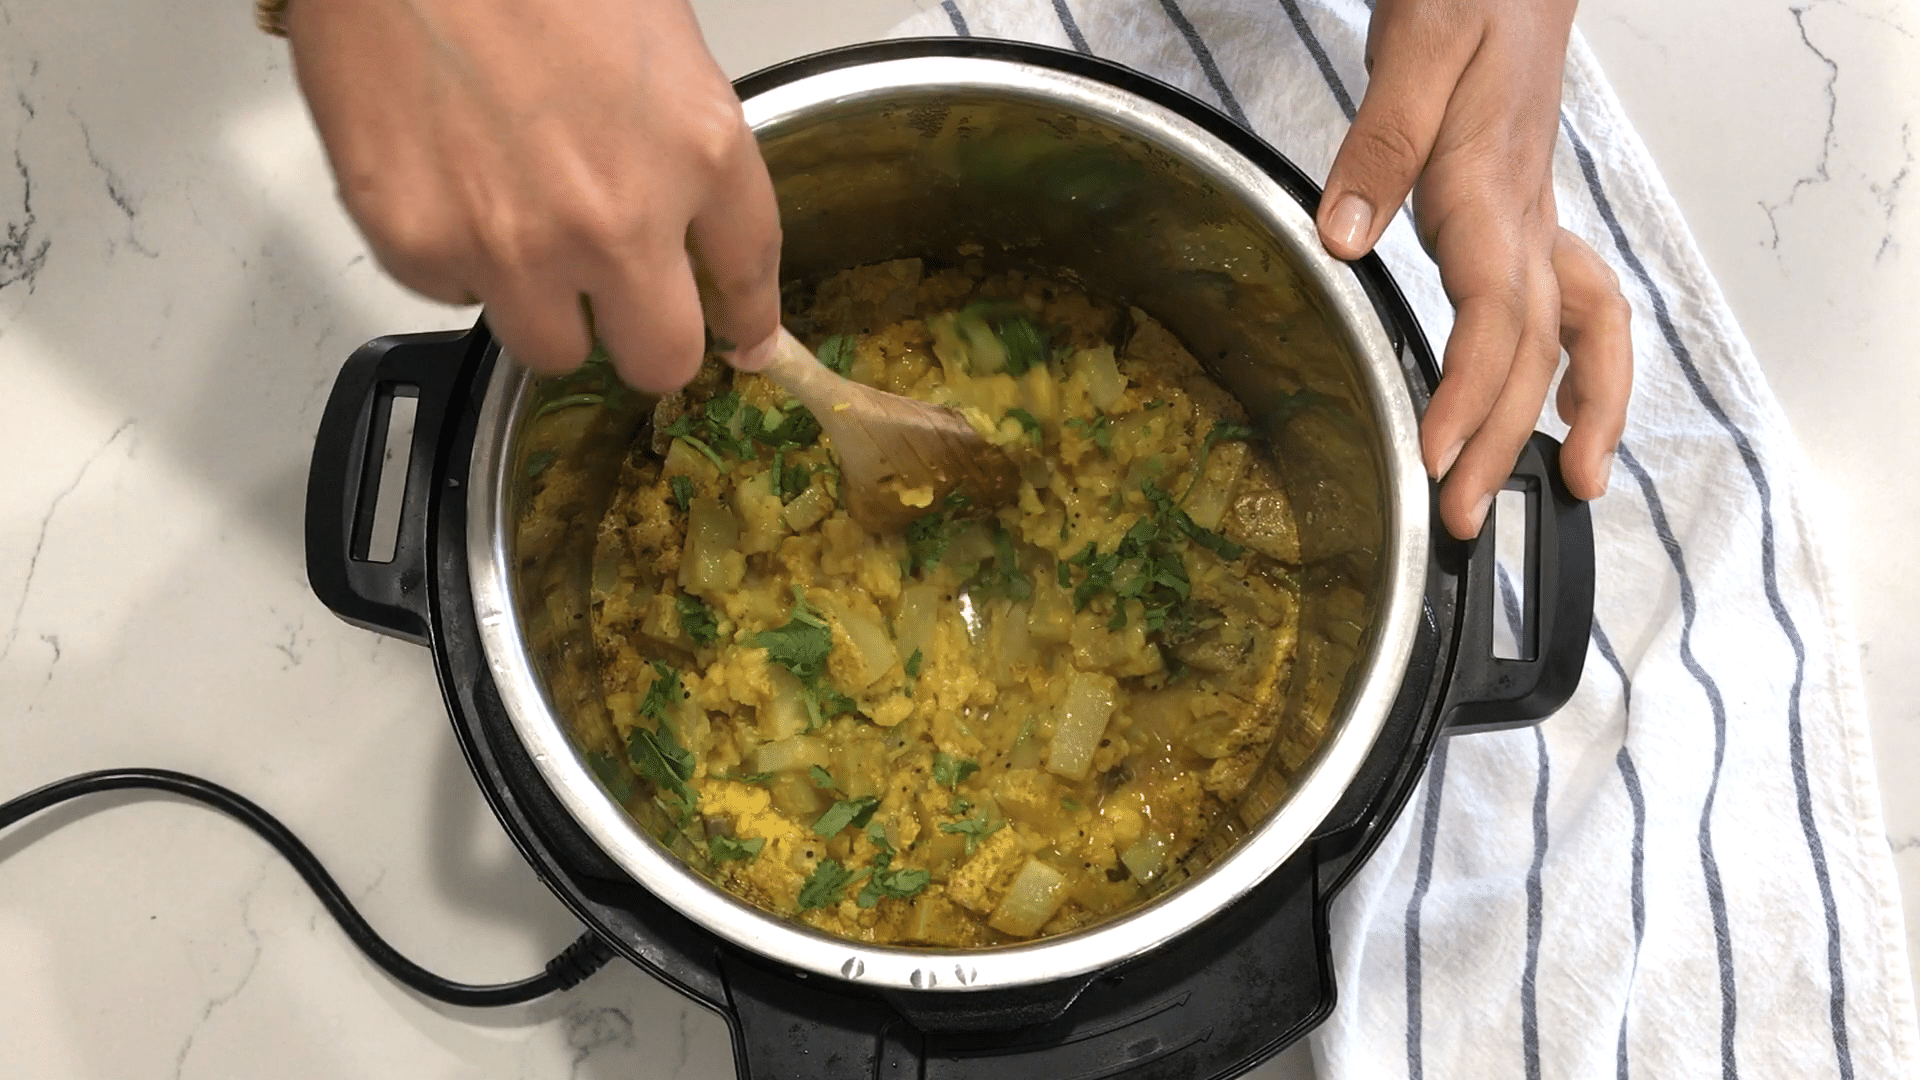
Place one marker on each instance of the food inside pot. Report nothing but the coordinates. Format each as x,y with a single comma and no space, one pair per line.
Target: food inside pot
1008,722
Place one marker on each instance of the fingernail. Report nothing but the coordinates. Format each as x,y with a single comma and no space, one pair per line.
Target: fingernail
1351,223
1447,459
1480,511
1606,473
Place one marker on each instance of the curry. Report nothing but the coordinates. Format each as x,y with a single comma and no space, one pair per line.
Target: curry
1008,722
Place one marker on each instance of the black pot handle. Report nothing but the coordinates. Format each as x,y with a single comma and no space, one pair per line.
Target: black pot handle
343,482
1489,693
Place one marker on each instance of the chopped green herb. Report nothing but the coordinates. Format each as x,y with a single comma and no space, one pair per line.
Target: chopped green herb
826,885
697,619
1221,431
1147,566
855,812
748,778
821,777
682,492
974,829
537,462
794,480
948,770
901,884
837,353
723,848
658,754
929,536
1069,803
1156,403
788,429
662,692
824,703
913,664
960,807
703,448
1028,423
1005,578
659,757
802,645
570,401
1099,429
1024,342
618,781
713,430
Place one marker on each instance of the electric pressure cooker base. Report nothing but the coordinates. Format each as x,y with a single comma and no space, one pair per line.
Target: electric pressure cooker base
1225,996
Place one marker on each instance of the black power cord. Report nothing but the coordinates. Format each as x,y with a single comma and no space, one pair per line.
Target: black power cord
585,956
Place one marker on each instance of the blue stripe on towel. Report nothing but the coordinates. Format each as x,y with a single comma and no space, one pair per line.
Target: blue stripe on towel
1319,53
1423,877
1072,28
1710,868
1630,780
1205,57
1536,898
959,21
1796,748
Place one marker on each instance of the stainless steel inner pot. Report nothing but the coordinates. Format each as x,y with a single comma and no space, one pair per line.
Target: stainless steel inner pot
945,158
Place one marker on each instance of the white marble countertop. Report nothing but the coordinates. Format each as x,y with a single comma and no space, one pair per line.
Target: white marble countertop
177,292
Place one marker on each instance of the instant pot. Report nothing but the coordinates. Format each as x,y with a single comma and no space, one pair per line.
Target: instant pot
1001,156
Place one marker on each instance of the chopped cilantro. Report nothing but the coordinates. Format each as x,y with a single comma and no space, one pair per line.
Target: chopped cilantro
662,692
901,884
1005,577
658,754
1069,803
929,536
794,480
702,447
711,431
1147,567
821,777
1177,518
837,353
697,619
1221,431
569,401
787,428
948,770
659,757
913,664
1099,429
960,807
826,885
537,462
723,848
855,812
824,703
682,492
802,645
1024,342
1028,423
619,781
974,829
747,778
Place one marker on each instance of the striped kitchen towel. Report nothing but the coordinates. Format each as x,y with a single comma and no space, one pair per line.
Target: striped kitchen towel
1683,873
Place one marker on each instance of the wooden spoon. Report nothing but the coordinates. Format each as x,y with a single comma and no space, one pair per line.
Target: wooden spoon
899,458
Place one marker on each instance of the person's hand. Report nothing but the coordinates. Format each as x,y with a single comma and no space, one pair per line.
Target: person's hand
1465,98
541,157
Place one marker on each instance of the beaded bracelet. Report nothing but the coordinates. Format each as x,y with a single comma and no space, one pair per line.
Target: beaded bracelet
271,16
